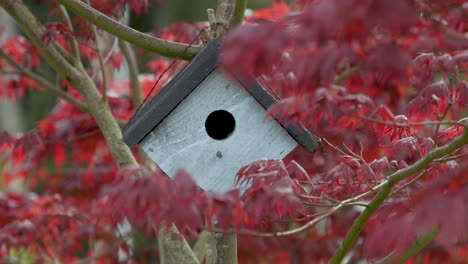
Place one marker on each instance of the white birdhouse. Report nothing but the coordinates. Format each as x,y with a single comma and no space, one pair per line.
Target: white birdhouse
211,125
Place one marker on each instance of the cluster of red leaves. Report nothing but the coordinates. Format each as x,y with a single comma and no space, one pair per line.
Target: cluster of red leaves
25,53
51,226
357,72
149,199
112,8
320,42
67,155
361,73
55,29
277,10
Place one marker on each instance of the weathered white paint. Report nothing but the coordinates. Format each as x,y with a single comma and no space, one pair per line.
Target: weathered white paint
181,141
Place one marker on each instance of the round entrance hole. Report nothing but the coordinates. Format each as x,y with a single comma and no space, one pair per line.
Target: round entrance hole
220,124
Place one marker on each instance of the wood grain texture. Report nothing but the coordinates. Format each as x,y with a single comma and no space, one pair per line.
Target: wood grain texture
164,102
181,142
152,114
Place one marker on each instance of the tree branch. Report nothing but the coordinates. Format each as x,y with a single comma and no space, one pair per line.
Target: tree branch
199,248
28,23
98,108
48,86
221,248
239,12
392,180
420,244
129,55
175,248
137,38
101,62
224,16
73,42
401,124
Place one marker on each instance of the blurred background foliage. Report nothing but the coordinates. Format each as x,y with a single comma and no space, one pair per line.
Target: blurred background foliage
22,115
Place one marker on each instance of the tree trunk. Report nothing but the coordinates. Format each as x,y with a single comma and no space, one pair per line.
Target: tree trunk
221,248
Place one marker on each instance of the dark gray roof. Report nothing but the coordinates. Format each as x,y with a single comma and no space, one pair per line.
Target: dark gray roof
162,104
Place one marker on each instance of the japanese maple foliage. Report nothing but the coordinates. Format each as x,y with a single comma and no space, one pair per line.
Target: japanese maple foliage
382,83
362,74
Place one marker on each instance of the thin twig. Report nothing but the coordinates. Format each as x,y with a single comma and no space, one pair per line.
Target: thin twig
346,74
443,115
100,60
129,55
398,124
371,207
318,204
414,179
343,152
73,41
314,221
442,160
357,156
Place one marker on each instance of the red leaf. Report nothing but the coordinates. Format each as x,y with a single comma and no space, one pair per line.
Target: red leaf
277,10
5,139
261,170
453,131
55,29
116,60
60,156
389,58
296,171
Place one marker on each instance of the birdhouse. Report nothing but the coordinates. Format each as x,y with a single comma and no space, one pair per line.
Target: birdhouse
211,125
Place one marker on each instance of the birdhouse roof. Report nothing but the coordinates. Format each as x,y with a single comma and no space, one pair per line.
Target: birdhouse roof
171,95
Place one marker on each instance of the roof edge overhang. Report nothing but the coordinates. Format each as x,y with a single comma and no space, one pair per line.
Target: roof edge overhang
171,95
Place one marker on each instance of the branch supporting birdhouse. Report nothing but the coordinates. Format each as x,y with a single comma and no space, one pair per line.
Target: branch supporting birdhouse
221,248
224,15
221,22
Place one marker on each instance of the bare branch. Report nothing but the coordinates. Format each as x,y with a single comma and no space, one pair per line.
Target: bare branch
129,55
137,38
454,157
399,124
101,61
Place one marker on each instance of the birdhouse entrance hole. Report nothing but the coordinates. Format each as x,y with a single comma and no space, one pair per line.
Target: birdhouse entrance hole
220,124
